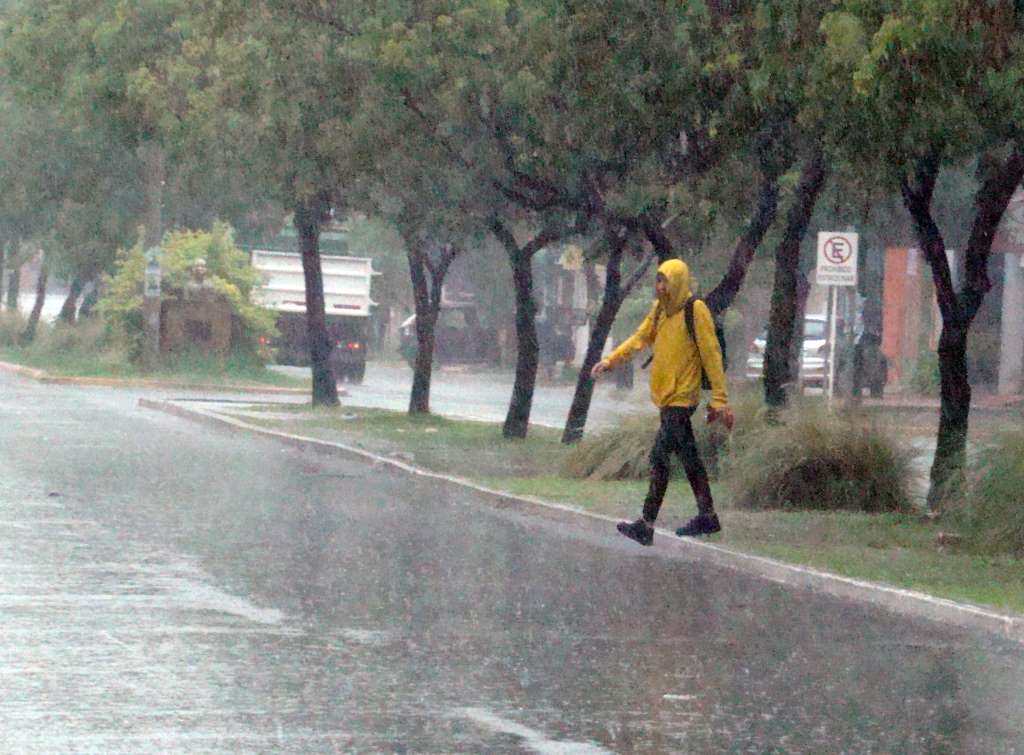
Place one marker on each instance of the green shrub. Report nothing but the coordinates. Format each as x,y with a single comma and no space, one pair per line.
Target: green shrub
815,460
992,515
229,272
924,380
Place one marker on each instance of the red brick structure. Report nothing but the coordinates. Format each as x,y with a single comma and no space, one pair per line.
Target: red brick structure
904,310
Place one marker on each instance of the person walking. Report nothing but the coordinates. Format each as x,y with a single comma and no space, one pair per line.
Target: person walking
677,362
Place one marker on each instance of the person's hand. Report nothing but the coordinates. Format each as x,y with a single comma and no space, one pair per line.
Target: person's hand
598,369
722,414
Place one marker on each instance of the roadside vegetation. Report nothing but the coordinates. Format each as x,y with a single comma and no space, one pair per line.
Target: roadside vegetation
901,546
91,349
229,275
622,453
816,460
991,513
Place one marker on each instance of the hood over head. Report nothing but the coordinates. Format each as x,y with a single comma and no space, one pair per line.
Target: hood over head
678,276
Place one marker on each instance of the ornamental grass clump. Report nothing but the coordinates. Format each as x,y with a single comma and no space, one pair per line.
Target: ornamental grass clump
12,324
622,452
992,514
817,460
616,454
87,347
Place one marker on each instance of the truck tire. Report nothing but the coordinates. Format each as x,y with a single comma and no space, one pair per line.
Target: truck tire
356,373
339,372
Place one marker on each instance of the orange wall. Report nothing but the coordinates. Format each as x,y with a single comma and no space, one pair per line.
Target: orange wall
901,309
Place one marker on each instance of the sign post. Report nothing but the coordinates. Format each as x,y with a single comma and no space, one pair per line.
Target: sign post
837,266
151,310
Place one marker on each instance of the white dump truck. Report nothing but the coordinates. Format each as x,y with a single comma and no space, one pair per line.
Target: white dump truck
347,305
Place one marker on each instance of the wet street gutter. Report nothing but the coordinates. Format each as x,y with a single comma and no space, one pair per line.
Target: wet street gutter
901,601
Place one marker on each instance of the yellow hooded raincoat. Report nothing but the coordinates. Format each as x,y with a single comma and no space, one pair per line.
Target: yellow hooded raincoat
675,370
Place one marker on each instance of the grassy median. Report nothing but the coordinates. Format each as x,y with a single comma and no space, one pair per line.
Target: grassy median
907,550
89,349
186,371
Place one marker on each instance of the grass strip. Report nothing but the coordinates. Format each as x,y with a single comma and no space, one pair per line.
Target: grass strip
185,371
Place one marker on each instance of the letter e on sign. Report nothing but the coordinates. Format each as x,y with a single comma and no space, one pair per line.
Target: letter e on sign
837,259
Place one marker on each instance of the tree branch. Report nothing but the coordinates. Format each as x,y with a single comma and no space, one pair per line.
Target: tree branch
918,198
722,296
410,102
990,201
315,12
638,274
655,233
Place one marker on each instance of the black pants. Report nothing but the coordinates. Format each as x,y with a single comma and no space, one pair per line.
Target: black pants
676,435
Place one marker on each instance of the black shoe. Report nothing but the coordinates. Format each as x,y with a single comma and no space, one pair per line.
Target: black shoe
702,524
639,530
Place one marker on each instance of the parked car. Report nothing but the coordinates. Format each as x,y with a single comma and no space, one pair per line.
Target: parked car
814,358
459,338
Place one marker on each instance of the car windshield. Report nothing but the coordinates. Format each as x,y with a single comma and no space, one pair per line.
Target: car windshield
814,328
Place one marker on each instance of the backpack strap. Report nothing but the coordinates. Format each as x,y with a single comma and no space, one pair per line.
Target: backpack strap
688,316
654,327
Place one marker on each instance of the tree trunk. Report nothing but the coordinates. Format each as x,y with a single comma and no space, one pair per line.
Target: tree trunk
3,266
426,321
152,156
88,307
602,326
782,316
1000,180
611,301
723,295
947,472
867,350
796,349
517,419
309,215
29,334
427,272
70,307
14,281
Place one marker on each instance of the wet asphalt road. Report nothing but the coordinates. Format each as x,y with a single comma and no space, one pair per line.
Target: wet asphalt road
486,395
167,588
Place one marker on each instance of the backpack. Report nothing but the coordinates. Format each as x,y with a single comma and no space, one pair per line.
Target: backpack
719,334
691,330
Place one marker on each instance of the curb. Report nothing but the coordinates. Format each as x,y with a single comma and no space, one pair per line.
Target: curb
19,369
898,600
45,377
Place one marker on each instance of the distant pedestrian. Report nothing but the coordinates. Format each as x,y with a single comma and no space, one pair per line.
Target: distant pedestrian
675,389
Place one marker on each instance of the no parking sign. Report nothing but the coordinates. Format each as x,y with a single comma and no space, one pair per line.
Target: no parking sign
837,259
837,266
